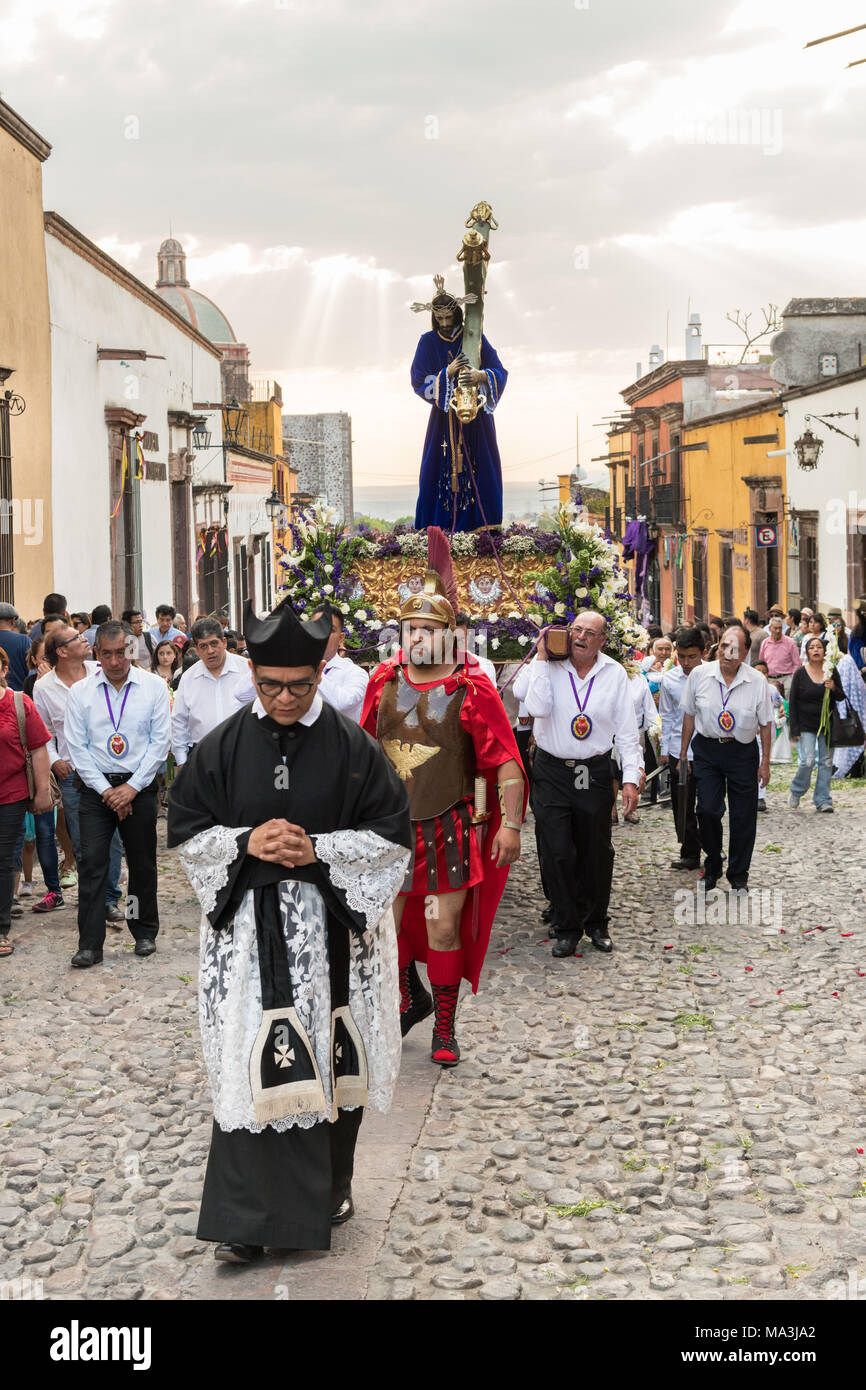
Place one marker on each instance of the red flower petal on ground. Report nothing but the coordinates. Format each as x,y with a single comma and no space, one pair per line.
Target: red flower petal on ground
780,991
669,948
861,973
846,933
750,967
859,1151
835,994
782,931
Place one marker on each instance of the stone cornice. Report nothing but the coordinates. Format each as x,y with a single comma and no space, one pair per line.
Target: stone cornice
662,376
73,239
120,416
738,412
767,481
24,133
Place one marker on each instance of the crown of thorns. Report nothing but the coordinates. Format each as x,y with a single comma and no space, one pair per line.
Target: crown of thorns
442,299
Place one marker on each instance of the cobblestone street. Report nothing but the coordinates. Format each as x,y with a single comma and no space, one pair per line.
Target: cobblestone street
683,1119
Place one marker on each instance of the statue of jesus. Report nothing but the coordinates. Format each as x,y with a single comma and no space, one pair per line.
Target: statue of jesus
460,487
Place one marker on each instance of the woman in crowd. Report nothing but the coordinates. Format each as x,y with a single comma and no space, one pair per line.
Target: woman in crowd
14,794
36,665
655,664
165,662
780,750
805,703
816,626
848,762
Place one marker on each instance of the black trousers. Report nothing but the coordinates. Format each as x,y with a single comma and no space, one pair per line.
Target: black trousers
138,833
650,763
685,819
727,770
11,821
573,824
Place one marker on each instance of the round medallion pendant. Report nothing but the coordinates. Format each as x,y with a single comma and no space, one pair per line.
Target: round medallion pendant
726,721
581,725
117,745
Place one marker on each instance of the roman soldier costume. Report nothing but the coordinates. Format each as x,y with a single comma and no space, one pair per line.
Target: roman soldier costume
446,739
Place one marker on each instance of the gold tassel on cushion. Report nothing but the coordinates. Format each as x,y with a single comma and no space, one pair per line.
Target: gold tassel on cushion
284,1074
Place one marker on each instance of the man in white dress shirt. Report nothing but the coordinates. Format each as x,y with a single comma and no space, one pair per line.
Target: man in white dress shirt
726,705
210,690
67,653
344,683
690,653
462,623
118,730
579,705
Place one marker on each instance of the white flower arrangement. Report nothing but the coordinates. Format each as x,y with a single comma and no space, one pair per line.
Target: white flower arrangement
463,544
327,588
414,545
518,545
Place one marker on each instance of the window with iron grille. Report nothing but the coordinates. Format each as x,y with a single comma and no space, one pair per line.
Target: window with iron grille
726,575
699,579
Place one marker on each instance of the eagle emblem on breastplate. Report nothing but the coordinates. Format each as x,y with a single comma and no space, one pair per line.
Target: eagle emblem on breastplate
406,756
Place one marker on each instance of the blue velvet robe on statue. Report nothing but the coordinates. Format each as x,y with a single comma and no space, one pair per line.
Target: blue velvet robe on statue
435,500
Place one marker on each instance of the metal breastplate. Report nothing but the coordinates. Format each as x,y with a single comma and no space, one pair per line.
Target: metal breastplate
421,734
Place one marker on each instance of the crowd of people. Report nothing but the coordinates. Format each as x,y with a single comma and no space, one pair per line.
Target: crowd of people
329,864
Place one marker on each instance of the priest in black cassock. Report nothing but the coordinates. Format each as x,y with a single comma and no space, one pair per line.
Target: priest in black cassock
294,830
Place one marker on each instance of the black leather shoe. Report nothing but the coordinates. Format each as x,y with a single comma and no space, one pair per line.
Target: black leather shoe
710,877
421,1005
82,959
739,884
238,1254
601,941
145,947
344,1212
566,945
685,864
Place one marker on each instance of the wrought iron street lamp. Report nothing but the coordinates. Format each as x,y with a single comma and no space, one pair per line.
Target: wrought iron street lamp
274,505
200,435
808,450
233,415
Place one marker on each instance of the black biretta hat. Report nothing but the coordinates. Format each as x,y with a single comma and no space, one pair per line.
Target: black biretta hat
282,639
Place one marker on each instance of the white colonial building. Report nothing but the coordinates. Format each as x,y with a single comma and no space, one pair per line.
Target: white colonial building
827,498
130,488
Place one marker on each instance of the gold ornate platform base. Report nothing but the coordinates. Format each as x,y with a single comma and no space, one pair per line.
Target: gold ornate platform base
481,589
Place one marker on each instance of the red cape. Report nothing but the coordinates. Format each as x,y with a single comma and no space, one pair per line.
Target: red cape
484,719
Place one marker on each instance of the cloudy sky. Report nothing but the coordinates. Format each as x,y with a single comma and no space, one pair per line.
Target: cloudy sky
317,158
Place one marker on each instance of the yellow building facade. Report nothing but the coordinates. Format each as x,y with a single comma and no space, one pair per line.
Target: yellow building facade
734,503
26,550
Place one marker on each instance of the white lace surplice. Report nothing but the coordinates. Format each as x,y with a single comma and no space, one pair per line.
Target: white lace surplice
369,870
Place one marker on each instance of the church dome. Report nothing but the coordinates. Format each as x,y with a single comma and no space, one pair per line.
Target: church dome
173,287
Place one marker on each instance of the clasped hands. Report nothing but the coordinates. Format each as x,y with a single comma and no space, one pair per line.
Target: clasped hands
280,842
120,799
